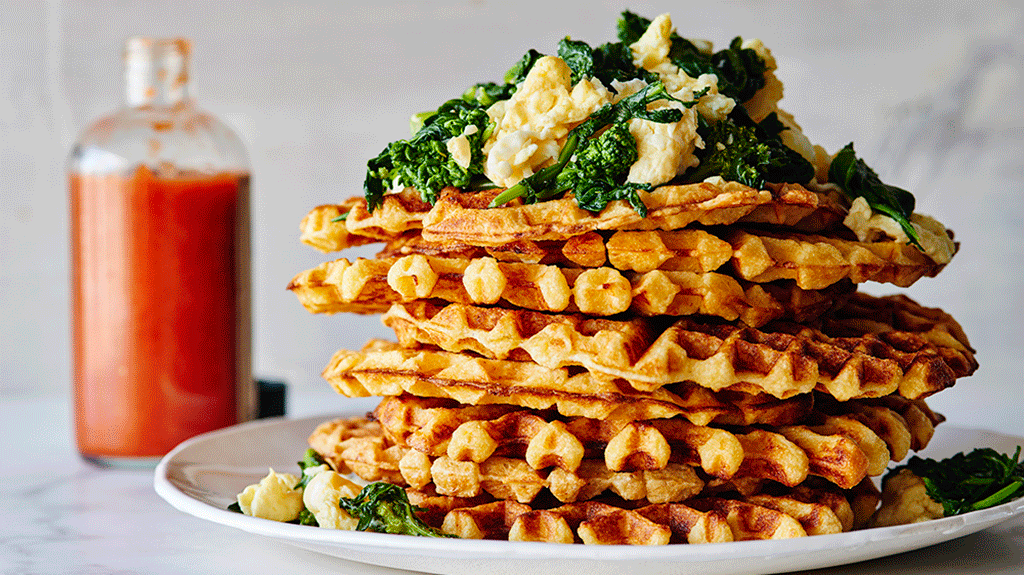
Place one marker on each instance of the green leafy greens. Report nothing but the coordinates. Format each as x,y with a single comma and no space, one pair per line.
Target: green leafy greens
381,507
980,479
595,160
592,164
423,162
856,179
310,459
741,150
740,71
385,508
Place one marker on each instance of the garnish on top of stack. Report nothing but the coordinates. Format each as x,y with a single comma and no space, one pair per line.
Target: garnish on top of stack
624,288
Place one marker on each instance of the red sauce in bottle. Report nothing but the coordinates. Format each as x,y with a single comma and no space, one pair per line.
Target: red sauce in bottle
160,306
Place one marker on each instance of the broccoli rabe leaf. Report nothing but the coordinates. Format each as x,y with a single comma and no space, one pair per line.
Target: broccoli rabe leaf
740,150
609,157
740,71
309,459
517,73
385,508
607,62
857,179
423,161
980,479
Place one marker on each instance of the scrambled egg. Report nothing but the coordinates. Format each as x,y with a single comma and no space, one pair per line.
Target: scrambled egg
533,124
459,147
650,52
531,127
871,226
321,497
274,498
904,500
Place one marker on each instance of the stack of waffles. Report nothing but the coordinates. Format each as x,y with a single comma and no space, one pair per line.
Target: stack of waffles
706,373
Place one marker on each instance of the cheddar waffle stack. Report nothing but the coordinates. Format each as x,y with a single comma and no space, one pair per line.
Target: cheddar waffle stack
704,369
557,385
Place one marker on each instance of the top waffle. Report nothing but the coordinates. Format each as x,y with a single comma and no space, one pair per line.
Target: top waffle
465,217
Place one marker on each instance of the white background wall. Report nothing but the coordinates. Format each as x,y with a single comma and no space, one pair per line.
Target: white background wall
932,94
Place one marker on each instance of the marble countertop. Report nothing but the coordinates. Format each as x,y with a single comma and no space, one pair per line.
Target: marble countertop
63,515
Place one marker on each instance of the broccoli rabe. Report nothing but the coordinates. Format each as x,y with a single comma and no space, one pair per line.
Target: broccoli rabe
740,150
309,459
967,482
740,71
857,179
423,162
548,182
607,62
385,508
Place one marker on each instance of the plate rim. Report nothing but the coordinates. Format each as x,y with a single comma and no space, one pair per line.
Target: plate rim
931,532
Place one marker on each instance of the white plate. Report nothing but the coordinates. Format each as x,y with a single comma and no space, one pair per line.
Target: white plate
201,477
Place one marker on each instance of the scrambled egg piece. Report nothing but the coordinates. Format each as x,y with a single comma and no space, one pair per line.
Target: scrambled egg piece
650,52
459,147
274,498
321,497
871,226
766,100
663,150
904,500
533,124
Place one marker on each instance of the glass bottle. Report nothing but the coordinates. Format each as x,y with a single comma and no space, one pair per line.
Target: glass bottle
159,199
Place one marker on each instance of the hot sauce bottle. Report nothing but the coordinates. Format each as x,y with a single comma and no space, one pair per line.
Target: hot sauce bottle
159,200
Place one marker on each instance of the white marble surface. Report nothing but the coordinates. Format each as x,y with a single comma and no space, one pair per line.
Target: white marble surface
62,516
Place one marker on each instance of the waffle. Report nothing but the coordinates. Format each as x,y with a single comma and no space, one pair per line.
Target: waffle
851,355
812,261
816,262
386,369
689,250
371,285
654,460
883,431
819,508
400,212
464,216
796,513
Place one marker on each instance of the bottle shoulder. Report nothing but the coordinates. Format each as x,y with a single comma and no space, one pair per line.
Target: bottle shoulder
184,136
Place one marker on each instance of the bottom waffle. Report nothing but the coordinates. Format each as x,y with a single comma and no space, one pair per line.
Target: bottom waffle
727,516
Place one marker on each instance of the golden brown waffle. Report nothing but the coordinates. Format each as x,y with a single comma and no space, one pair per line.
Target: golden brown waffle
465,217
371,285
701,520
690,250
653,460
386,369
399,212
815,262
853,354
320,230
812,261
882,431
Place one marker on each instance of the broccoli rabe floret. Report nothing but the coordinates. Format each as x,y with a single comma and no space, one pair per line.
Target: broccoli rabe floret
740,150
423,161
599,166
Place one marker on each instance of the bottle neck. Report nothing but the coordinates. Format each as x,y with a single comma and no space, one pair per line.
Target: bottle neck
156,72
